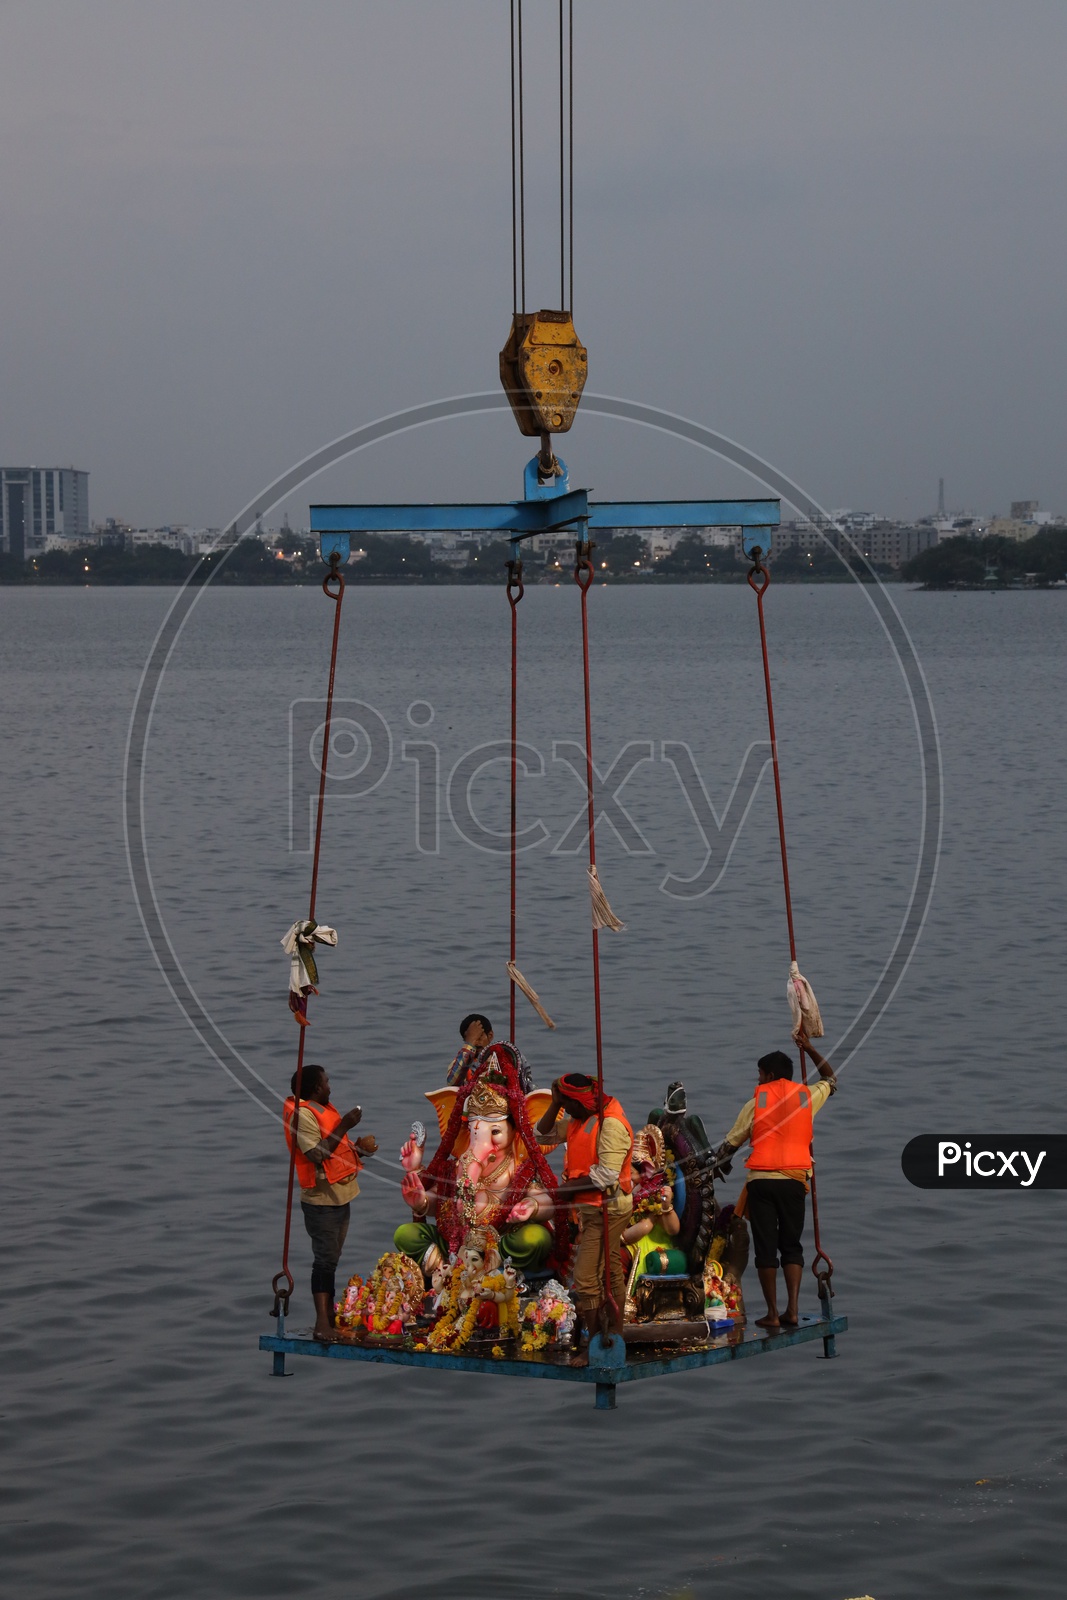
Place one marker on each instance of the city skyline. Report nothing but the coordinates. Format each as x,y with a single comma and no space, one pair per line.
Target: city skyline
231,235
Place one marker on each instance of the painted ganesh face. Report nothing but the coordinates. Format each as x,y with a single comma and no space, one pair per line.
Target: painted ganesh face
490,1141
473,1262
506,1140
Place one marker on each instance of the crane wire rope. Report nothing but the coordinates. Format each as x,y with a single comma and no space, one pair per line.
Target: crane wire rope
562,192
567,154
570,151
824,1273
518,166
283,1283
518,156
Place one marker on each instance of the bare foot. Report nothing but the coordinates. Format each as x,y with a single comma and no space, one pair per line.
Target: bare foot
324,1335
790,1322
767,1322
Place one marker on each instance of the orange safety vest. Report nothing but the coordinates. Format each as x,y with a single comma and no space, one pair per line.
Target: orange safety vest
781,1127
344,1163
581,1153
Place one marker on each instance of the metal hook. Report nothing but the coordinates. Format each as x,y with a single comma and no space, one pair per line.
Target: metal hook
334,576
758,571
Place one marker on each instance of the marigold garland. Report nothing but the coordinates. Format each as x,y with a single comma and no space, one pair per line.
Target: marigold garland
548,1319
456,1326
390,1297
647,1197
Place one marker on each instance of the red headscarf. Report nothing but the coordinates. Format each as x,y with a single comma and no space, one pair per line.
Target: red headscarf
583,1094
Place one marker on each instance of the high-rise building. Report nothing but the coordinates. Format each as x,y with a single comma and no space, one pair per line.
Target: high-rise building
886,544
38,502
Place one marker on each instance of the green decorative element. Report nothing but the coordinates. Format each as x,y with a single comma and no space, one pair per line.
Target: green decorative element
526,1247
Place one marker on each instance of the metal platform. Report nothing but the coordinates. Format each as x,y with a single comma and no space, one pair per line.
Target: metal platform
637,1361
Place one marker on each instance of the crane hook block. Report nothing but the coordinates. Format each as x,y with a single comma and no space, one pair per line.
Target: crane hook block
543,370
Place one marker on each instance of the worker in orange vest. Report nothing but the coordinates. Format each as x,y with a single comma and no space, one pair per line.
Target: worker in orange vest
596,1175
327,1165
778,1121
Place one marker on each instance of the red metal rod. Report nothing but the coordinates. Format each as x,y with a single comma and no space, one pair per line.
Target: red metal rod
583,577
759,590
292,1167
515,594
333,576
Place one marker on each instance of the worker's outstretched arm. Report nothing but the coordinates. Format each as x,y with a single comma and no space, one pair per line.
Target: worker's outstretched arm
825,1070
722,1159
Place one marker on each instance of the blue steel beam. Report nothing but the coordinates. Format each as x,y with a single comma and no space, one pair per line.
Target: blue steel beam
516,519
685,514
524,518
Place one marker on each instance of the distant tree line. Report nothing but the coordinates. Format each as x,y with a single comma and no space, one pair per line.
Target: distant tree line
248,561
963,563
396,558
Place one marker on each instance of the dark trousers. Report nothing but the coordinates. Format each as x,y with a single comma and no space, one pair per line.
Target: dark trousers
776,1212
327,1227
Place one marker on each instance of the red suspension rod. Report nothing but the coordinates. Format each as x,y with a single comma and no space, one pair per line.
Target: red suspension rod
515,593
333,587
759,589
583,577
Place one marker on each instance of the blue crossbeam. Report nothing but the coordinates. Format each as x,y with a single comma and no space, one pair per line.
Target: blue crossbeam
638,1362
524,518
685,514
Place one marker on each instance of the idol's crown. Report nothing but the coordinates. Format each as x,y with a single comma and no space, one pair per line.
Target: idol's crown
487,1101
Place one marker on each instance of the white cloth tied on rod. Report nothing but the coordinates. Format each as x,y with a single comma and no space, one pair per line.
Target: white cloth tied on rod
530,992
299,945
603,916
803,1004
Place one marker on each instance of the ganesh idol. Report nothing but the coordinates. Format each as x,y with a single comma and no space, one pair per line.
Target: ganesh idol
488,1171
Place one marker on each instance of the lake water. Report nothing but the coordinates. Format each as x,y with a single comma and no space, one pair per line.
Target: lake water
148,1452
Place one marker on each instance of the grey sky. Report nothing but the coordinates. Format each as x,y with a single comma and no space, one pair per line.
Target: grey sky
832,229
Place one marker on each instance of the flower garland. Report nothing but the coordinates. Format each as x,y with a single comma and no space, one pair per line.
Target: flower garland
455,1209
647,1198
505,1294
390,1297
548,1319
450,1335
454,1329
490,1301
